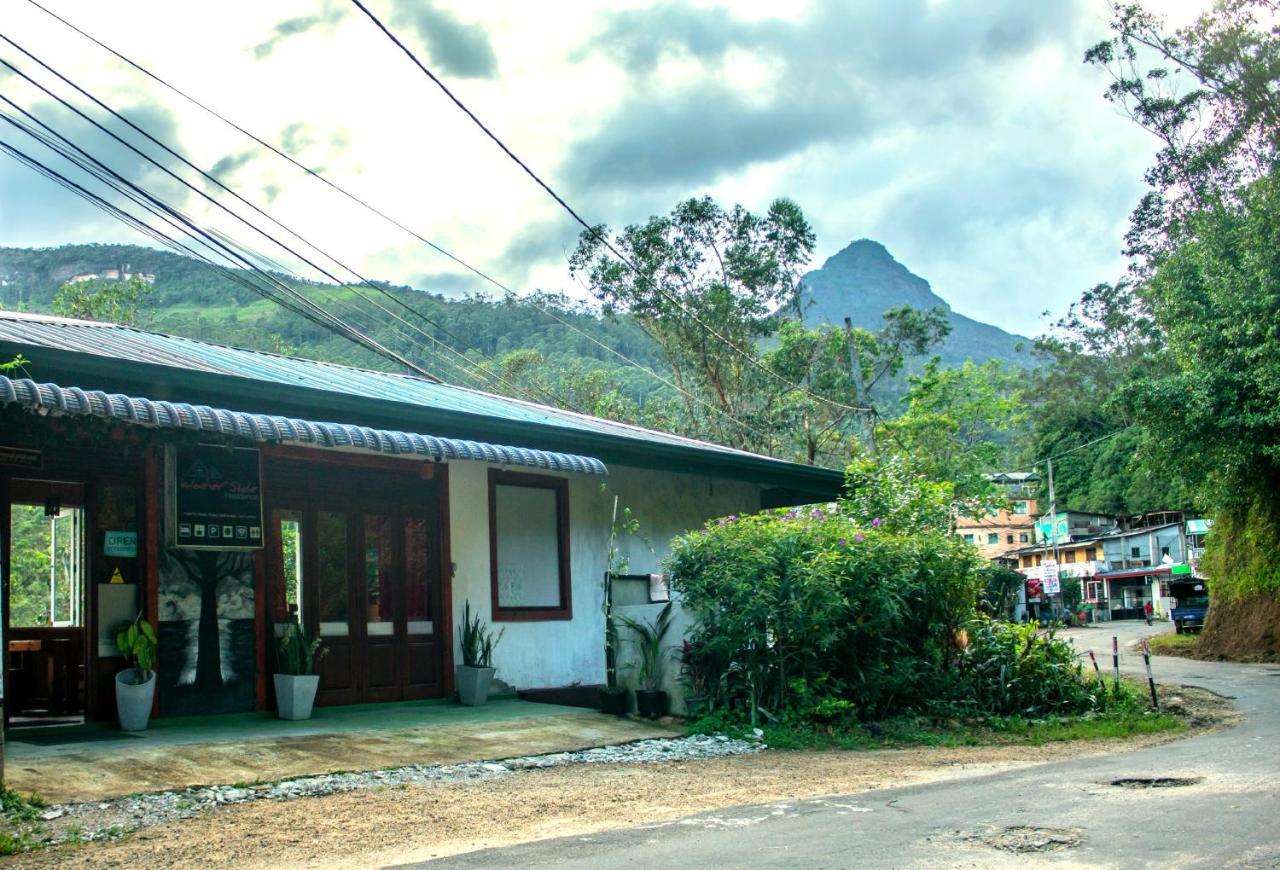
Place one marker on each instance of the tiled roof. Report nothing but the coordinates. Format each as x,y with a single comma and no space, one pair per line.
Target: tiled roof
267,428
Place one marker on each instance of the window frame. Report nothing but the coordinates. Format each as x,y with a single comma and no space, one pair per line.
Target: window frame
560,486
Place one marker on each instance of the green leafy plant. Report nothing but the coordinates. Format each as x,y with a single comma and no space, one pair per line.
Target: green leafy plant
297,653
136,641
477,641
649,636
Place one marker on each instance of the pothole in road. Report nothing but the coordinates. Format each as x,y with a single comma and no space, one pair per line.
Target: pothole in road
1023,839
1156,781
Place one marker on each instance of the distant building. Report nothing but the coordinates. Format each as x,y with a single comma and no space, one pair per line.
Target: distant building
121,273
1009,528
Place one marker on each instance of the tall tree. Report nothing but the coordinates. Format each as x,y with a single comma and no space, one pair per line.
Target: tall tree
707,284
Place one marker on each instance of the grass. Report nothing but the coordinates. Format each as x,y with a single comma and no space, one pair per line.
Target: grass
21,818
907,731
1173,644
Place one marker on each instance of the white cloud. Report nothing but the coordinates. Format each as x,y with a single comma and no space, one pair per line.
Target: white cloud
966,136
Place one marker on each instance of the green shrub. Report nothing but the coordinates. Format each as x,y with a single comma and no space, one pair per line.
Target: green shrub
831,615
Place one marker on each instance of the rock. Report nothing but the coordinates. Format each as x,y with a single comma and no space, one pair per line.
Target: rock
55,813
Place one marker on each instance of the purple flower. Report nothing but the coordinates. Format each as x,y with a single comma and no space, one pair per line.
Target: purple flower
816,513
702,532
842,542
859,537
875,524
733,518
721,522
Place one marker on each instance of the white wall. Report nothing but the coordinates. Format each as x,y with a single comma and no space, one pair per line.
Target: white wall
565,652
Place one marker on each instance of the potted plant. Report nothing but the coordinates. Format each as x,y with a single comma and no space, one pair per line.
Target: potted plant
613,698
651,700
698,676
295,678
136,684
475,674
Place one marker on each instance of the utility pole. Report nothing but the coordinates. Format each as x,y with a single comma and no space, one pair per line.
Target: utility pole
865,423
1053,526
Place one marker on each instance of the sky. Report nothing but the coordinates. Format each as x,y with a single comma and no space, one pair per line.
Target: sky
965,135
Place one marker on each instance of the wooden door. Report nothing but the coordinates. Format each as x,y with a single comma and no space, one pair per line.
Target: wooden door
366,581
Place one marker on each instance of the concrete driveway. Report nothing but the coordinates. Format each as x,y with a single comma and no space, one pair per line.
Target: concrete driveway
1222,810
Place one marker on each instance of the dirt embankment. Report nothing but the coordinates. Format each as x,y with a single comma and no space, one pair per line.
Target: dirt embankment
1243,630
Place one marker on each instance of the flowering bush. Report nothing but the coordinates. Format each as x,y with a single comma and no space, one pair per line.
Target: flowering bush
820,596
862,609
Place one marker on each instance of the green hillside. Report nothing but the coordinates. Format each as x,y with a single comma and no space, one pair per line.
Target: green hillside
515,338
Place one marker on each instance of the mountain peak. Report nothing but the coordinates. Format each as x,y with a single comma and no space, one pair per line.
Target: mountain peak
863,250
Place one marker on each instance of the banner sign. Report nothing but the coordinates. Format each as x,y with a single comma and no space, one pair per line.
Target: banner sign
214,498
1049,574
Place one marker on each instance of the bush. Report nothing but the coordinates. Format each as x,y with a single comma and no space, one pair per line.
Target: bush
829,615
816,603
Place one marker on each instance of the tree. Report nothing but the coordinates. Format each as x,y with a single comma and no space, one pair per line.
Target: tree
958,426
107,301
1203,246
707,284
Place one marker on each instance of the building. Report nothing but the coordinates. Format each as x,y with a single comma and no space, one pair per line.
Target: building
1121,564
224,492
1008,528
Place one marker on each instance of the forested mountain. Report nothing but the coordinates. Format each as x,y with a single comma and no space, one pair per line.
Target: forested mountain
514,338
864,280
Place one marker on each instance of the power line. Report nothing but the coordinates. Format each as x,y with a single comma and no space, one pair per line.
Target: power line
593,231
388,218
234,214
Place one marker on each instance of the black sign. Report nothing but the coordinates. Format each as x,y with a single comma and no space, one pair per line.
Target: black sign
18,457
215,498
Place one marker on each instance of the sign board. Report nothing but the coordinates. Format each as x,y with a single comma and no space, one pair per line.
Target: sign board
19,457
214,498
1199,527
121,544
1049,574
1179,568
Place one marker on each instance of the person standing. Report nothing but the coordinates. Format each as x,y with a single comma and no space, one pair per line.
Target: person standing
1149,610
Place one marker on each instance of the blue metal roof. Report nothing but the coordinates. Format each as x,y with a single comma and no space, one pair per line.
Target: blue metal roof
156,349
267,428
135,362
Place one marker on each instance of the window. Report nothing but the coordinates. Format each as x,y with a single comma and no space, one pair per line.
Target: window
1024,538
1021,508
1070,555
993,537
1164,551
1135,552
968,539
529,546
1009,539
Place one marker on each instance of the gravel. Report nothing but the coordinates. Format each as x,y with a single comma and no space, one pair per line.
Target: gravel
113,819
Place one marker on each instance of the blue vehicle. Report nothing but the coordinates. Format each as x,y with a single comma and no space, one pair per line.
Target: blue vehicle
1190,605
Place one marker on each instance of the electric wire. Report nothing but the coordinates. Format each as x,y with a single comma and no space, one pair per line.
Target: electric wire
393,221
234,214
593,231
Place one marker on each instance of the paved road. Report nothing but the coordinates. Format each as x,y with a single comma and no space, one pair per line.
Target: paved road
1230,815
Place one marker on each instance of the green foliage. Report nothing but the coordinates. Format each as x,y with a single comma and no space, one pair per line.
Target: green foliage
648,640
857,607
108,301
136,641
1011,669
296,652
705,268
999,592
957,426
478,642
15,366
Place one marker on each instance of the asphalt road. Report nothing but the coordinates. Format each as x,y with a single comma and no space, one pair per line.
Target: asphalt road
1069,812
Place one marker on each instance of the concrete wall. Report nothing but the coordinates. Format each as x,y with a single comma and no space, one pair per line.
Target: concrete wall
565,652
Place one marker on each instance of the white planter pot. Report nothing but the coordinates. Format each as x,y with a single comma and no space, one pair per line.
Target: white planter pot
295,695
473,684
134,698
